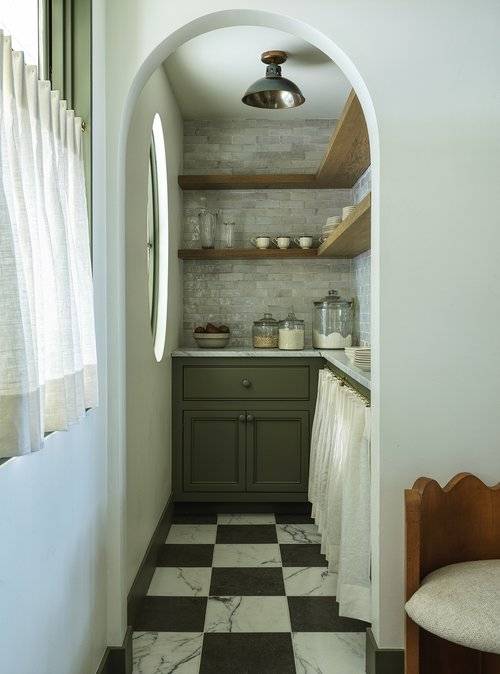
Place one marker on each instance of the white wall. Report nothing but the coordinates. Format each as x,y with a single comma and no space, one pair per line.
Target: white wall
149,474
430,71
53,517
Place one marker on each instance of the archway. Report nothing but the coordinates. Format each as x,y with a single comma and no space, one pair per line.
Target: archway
169,44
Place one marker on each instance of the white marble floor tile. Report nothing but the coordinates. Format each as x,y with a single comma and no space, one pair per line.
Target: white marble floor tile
315,581
262,554
246,518
167,652
329,652
247,614
192,533
180,582
298,533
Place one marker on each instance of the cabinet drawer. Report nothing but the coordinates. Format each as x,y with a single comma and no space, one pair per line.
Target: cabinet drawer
246,383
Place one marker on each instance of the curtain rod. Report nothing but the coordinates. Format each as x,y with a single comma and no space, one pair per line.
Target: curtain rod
344,382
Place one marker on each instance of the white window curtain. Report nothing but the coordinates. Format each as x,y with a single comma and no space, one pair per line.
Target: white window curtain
339,490
48,366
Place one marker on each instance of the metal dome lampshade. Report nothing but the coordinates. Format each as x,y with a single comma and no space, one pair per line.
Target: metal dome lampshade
273,91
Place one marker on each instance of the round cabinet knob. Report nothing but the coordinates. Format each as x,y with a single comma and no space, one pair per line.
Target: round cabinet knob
250,417
246,383
242,417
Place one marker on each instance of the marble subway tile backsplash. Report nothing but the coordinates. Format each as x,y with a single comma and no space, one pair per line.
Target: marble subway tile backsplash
239,292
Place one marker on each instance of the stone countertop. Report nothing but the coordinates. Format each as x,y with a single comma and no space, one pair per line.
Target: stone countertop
336,357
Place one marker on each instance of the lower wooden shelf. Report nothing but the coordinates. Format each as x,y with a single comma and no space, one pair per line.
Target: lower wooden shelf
246,253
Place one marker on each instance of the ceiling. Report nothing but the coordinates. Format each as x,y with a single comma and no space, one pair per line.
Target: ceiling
210,73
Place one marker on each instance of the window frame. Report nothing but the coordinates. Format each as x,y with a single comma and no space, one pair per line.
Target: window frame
154,245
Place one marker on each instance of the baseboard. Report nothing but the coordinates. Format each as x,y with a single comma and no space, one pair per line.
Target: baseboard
209,508
383,660
118,659
148,565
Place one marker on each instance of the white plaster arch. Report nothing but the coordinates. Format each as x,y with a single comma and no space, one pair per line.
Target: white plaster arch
116,308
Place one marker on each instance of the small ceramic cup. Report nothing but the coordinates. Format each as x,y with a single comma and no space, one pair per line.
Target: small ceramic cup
261,241
304,241
282,242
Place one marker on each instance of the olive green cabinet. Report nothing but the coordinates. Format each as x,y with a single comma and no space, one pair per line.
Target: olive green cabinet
241,427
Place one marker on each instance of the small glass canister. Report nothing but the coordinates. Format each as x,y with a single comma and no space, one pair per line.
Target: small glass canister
265,333
291,333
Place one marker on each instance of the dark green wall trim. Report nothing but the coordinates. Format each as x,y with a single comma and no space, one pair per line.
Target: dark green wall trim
118,659
206,508
147,568
382,660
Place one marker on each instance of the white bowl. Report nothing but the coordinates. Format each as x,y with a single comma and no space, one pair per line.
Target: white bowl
211,340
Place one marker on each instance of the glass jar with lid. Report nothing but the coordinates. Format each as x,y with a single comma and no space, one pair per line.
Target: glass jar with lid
265,333
291,333
332,322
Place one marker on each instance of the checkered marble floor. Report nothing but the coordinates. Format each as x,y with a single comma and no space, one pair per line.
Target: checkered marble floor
244,594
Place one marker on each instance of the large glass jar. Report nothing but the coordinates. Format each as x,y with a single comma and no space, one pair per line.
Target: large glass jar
332,322
291,333
265,333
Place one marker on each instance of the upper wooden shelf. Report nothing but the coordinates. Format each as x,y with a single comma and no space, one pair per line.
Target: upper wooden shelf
346,159
246,253
348,154
352,236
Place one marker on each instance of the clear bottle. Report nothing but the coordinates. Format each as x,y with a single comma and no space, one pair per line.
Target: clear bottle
291,333
332,322
265,333
208,221
228,235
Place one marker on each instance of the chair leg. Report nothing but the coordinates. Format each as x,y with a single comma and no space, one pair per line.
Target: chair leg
412,650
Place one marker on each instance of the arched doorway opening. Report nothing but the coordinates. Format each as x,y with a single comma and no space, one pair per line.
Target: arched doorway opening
169,44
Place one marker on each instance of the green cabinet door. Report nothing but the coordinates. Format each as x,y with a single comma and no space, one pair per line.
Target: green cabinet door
277,445
214,451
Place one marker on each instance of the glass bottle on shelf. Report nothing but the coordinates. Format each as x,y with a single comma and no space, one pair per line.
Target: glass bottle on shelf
228,235
207,221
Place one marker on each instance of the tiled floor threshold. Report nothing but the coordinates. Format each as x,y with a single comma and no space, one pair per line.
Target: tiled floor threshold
244,594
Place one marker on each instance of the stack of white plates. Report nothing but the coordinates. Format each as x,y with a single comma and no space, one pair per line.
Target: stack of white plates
346,211
361,356
330,224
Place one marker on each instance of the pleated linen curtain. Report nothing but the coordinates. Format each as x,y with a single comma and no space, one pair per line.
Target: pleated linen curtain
48,365
339,490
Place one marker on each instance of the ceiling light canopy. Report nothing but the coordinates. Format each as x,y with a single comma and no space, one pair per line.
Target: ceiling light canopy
273,92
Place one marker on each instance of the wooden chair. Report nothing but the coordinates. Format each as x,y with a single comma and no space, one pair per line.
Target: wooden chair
457,523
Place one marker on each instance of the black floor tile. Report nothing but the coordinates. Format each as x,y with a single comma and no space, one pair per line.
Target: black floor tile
185,555
194,519
308,554
294,519
246,533
320,614
247,654
171,614
247,582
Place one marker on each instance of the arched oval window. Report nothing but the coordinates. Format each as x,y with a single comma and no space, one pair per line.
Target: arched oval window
157,237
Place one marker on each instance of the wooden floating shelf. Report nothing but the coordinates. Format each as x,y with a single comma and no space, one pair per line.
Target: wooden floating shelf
346,159
246,253
348,154
352,236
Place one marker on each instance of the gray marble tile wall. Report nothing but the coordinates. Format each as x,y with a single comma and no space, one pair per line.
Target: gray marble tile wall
255,146
361,270
238,292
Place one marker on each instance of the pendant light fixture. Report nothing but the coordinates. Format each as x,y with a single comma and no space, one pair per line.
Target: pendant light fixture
273,91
